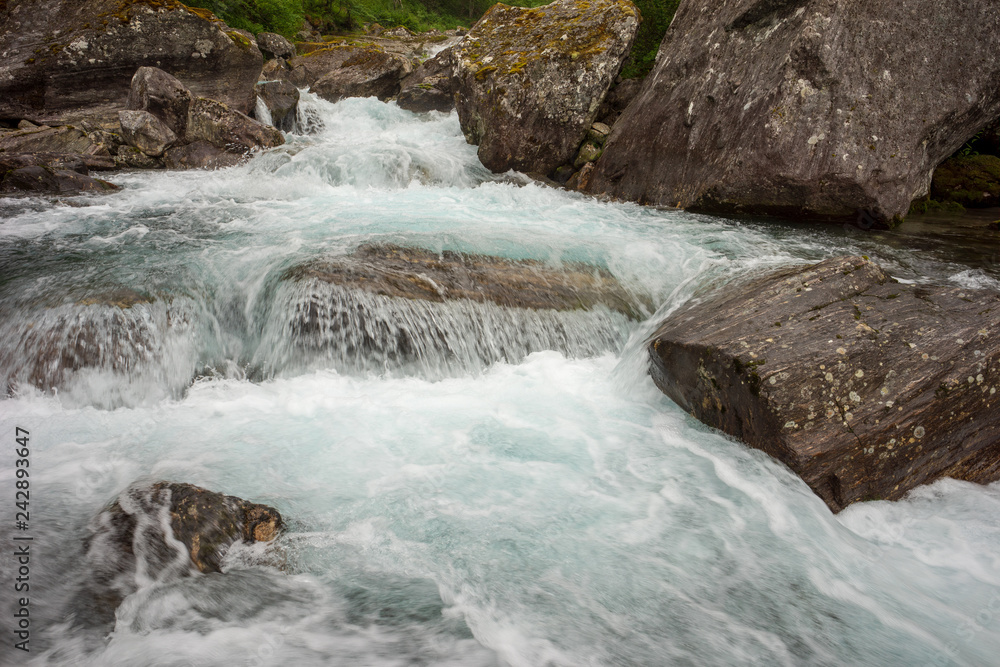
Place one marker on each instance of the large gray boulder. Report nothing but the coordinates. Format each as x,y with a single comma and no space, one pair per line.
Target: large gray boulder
806,108
67,59
529,82
863,386
146,132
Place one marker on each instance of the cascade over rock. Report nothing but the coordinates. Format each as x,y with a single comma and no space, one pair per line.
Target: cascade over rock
529,82
67,59
863,386
806,108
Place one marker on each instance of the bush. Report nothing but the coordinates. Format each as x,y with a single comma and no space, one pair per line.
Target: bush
656,18
280,16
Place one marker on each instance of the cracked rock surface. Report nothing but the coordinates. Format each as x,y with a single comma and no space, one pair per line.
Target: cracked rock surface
863,386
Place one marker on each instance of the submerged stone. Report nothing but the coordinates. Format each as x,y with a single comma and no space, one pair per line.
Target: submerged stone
413,273
863,386
167,530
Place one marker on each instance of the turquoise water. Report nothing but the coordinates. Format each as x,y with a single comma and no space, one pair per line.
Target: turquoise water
531,500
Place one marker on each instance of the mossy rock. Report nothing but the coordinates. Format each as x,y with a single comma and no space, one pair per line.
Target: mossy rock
972,181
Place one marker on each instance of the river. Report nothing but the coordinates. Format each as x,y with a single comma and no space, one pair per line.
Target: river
521,495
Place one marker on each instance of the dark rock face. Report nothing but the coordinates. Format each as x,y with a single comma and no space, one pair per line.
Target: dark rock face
529,82
273,45
412,273
429,87
48,174
127,539
806,108
64,59
863,386
282,101
338,72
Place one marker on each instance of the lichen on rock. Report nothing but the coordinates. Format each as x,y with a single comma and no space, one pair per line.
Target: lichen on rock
529,82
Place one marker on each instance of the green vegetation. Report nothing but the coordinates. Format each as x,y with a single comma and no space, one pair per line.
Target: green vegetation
972,180
338,16
656,18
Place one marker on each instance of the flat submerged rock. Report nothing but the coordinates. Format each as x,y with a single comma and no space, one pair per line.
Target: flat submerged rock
412,273
865,387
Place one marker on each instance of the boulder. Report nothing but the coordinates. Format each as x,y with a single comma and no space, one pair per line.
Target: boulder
200,155
49,174
64,59
282,101
273,45
338,72
429,87
165,530
43,139
863,386
806,108
162,95
529,82
146,132
209,134
217,124
413,273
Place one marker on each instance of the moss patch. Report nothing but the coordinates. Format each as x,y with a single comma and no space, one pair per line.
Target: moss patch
972,181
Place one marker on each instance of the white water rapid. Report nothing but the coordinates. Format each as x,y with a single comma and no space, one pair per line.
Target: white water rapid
512,490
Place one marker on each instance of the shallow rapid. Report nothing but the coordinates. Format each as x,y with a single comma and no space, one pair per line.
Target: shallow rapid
511,491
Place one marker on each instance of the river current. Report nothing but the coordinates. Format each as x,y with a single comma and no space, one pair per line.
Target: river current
518,493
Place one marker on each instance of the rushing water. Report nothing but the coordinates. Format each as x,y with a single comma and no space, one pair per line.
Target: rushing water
517,493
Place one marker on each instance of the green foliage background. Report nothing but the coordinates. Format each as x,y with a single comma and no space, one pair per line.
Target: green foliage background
286,16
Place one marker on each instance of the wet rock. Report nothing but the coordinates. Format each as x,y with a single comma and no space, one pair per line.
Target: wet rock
217,124
863,386
129,546
805,108
429,87
65,59
529,82
581,179
273,45
412,273
201,155
209,134
972,181
162,95
39,179
146,132
282,100
338,72
130,157
49,174
43,139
